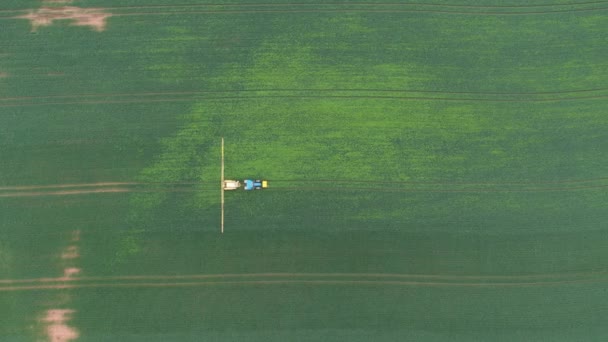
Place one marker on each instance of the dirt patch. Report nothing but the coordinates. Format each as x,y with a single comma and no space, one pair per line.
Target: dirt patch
70,272
57,327
3,74
45,16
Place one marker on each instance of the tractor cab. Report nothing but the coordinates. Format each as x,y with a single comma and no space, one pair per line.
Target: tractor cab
255,184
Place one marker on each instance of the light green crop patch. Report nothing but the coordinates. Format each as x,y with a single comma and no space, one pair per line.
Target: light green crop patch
316,134
300,111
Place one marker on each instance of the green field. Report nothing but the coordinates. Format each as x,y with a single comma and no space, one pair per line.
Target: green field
437,171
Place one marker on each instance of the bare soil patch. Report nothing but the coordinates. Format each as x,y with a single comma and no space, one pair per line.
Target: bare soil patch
45,16
57,327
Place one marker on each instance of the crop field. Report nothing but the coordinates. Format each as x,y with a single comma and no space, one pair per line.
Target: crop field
438,170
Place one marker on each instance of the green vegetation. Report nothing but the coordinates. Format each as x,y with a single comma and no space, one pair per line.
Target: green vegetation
461,151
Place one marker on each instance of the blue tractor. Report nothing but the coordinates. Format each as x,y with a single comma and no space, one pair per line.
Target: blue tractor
255,184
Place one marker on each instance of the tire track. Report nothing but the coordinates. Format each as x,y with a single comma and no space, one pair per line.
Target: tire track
321,189
325,279
343,97
96,191
301,275
567,181
110,183
136,187
389,8
322,90
341,4
295,282
336,189
63,192
392,4
91,102
60,186
352,10
87,185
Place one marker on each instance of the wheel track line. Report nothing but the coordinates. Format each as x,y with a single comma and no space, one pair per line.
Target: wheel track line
301,275
337,189
338,4
321,189
345,11
324,189
354,10
61,186
342,4
86,185
567,181
63,192
295,282
92,102
111,183
368,97
323,90
95,191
